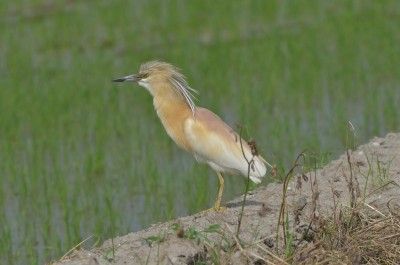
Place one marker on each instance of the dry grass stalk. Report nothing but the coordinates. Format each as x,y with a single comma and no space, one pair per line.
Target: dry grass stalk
376,240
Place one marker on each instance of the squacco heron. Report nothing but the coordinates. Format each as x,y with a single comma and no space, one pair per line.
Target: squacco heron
197,130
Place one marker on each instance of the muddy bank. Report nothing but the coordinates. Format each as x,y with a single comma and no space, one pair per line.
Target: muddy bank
368,176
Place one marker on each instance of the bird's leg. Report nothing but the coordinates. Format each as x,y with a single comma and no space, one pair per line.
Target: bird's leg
217,205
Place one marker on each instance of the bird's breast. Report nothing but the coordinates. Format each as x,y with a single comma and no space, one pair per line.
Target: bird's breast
173,117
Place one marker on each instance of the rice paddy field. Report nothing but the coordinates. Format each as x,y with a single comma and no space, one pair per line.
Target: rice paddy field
81,156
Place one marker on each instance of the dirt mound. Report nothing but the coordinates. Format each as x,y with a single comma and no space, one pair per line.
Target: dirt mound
326,215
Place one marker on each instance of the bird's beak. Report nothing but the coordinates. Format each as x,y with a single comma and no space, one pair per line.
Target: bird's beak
128,78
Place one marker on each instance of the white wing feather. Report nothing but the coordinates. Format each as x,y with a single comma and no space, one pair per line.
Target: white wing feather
213,142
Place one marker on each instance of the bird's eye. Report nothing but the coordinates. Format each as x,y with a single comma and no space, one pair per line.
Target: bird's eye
143,75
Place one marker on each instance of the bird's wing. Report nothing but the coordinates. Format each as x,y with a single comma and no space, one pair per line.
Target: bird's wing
214,142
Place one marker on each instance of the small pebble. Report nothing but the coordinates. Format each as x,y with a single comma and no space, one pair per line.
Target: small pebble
264,210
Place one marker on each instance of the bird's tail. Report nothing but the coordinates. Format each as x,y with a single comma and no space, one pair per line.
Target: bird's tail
258,169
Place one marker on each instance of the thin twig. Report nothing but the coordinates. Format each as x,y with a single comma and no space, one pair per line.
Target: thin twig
76,246
283,203
249,164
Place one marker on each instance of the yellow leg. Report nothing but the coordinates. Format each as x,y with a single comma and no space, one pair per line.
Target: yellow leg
217,205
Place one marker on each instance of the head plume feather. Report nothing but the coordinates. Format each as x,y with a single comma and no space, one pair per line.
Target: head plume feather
177,80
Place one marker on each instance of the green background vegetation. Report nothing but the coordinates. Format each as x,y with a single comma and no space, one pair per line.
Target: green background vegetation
82,156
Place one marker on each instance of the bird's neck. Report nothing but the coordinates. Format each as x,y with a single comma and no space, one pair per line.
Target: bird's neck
173,112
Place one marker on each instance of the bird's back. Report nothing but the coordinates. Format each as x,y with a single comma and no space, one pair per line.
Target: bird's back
213,142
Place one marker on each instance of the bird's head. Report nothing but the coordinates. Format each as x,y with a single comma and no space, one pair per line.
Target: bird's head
162,79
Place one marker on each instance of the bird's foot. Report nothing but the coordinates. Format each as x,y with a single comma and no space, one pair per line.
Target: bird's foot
220,209
215,210
217,207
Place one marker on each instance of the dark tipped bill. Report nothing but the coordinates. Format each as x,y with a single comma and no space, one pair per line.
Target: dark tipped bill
129,78
119,80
